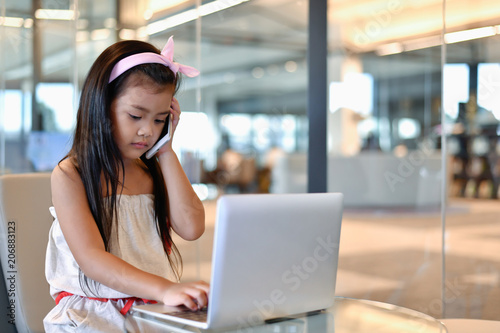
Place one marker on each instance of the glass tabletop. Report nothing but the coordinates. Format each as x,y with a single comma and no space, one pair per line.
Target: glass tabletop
347,315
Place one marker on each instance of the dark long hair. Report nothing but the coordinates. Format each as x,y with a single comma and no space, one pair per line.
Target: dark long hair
96,156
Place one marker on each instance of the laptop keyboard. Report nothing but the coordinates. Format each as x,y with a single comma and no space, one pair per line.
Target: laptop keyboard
200,315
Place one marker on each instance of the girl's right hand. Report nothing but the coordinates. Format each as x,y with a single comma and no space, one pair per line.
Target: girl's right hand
175,114
193,295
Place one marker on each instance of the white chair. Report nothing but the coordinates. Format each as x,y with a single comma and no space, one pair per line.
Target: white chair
24,227
459,325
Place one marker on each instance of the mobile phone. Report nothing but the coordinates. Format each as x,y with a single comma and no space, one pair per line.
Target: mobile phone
150,153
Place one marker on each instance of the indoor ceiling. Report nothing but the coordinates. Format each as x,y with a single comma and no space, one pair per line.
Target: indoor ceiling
252,39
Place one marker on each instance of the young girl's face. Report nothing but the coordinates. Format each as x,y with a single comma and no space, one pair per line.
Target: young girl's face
138,115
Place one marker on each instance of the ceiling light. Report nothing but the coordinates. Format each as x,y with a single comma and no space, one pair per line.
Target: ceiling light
54,14
127,34
216,6
15,22
422,43
464,35
191,15
387,49
172,21
291,66
258,72
436,40
28,23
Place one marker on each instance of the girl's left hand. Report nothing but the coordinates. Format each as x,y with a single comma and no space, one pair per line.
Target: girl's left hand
175,114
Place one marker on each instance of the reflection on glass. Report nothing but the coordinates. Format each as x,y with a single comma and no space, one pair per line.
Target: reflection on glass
456,88
55,104
12,117
408,128
355,92
471,274
488,89
384,149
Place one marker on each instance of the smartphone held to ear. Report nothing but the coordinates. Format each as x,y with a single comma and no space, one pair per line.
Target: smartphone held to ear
150,153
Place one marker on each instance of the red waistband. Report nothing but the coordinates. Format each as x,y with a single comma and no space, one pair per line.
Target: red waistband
128,304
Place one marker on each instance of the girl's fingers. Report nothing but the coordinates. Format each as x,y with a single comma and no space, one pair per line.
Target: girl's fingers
175,112
201,299
188,302
204,286
194,296
198,295
175,105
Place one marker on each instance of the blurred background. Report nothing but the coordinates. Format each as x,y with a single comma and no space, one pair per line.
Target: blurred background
412,123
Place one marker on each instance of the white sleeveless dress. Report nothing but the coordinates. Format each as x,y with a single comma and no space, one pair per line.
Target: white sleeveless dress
137,243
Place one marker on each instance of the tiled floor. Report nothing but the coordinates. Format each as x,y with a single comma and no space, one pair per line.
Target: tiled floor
395,256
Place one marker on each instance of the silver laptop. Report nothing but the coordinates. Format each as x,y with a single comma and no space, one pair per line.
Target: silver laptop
274,256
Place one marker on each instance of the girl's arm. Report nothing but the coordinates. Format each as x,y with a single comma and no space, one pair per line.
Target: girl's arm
85,242
186,211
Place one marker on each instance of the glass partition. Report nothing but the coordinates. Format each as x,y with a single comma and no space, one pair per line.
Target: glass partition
471,106
47,48
254,80
383,149
17,86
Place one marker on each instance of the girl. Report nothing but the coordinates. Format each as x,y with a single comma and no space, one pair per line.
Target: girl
110,244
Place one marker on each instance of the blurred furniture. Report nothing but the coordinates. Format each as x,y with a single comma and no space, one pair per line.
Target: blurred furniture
457,148
482,169
346,316
475,164
233,169
24,227
289,174
370,179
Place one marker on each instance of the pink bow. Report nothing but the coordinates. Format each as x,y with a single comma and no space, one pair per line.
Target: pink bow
165,58
168,53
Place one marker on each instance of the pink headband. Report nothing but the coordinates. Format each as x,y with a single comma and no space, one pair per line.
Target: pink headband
165,58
